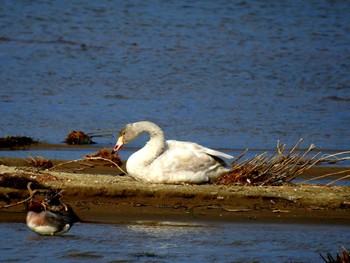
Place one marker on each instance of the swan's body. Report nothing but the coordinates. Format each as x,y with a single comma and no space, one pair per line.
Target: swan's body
161,161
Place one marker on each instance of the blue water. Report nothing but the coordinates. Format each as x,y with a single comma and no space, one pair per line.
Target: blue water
181,242
226,74
237,74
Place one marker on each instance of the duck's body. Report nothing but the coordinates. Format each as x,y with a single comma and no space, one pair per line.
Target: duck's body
45,222
161,161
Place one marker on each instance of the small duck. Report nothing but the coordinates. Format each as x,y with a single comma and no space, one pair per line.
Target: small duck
44,222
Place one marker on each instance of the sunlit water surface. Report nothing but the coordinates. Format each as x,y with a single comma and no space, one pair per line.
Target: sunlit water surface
226,74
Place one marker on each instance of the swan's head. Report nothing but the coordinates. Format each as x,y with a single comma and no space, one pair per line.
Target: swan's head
132,130
126,134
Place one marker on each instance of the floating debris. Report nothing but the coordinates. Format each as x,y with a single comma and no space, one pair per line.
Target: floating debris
12,142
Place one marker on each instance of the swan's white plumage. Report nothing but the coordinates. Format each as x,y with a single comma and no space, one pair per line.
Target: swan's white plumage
171,161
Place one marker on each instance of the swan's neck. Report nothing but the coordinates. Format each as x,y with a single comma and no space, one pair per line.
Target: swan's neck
155,146
151,151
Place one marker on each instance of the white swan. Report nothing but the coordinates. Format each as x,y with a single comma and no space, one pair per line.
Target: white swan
161,161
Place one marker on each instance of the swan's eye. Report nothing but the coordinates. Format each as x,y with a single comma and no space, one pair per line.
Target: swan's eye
122,133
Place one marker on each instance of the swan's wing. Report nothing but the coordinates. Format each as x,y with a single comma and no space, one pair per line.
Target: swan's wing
194,147
187,163
180,165
188,157
185,160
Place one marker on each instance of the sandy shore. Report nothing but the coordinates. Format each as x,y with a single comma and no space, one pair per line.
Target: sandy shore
98,193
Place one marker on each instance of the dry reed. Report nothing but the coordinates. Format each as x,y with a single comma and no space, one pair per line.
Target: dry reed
281,167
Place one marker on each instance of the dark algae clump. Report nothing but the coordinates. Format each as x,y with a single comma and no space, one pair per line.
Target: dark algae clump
12,142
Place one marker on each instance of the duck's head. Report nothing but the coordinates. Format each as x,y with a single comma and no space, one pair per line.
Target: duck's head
37,207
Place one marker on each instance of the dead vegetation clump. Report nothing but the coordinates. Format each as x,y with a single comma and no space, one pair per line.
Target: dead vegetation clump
12,142
40,162
105,153
279,168
79,137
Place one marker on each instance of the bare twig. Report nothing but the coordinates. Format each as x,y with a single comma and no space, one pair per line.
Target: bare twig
107,160
339,179
323,176
333,158
296,146
239,157
101,133
89,159
68,162
32,194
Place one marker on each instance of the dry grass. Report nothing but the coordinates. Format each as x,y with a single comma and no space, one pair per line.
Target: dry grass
281,167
